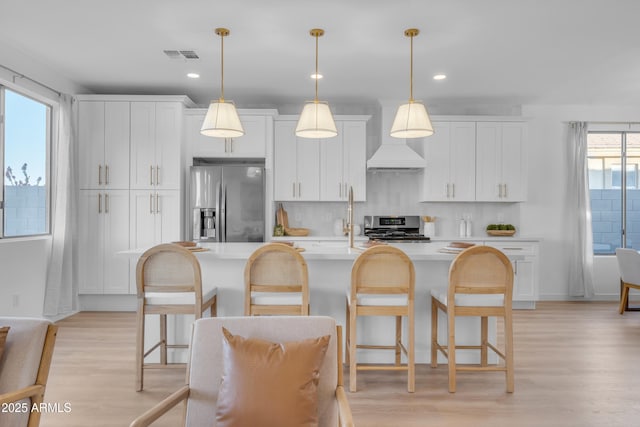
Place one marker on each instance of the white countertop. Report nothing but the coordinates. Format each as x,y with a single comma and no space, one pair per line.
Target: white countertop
314,250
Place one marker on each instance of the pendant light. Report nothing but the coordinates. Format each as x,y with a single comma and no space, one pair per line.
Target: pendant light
316,120
412,119
222,119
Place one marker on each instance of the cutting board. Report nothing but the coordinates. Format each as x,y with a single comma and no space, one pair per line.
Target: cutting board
281,217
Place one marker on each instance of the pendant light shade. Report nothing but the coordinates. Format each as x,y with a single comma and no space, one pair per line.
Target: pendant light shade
316,120
222,120
412,119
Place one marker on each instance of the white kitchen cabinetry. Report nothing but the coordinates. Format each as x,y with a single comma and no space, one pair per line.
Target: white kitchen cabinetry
343,162
525,284
320,169
500,161
103,230
296,165
450,154
103,144
156,135
155,217
257,124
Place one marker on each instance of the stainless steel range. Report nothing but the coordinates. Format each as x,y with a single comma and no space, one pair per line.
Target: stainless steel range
394,229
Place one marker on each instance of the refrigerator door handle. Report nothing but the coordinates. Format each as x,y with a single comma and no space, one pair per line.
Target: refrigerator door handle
223,217
218,213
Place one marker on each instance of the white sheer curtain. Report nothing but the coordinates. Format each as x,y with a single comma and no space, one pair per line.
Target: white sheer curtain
60,293
580,233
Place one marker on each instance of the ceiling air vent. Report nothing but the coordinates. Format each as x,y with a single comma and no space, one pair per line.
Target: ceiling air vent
181,54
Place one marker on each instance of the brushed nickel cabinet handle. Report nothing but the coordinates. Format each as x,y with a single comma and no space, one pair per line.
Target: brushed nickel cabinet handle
499,191
340,189
106,203
453,190
299,190
150,175
99,203
157,204
505,190
151,203
446,189
293,189
157,175
106,175
99,174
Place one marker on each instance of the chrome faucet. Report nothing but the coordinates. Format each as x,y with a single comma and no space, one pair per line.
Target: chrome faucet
350,217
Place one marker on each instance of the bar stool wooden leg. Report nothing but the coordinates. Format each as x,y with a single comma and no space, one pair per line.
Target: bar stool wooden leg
347,323
451,350
411,362
508,343
163,339
624,299
398,340
484,339
434,333
214,307
139,346
353,368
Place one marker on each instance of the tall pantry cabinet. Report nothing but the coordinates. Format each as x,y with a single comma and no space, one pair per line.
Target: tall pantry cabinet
129,157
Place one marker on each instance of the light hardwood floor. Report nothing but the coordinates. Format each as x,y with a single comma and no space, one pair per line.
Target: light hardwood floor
577,364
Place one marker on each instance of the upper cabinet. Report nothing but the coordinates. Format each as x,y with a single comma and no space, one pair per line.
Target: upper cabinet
320,169
156,134
473,160
343,162
104,144
500,162
296,168
257,124
450,154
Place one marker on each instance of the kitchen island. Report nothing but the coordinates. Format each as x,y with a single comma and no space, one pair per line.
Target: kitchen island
329,266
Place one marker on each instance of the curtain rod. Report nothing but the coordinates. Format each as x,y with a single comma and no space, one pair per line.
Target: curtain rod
22,76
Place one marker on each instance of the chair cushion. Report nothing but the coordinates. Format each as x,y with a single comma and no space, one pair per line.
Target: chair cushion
269,384
3,338
379,299
179,297
276,298
469,300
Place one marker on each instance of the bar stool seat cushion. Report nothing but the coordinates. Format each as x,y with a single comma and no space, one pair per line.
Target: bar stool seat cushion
379,300
169,298
279,298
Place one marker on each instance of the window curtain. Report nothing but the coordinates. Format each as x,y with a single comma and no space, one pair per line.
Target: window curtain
60,293
579,227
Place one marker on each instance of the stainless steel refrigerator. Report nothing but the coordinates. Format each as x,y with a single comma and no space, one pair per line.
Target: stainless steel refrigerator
227,203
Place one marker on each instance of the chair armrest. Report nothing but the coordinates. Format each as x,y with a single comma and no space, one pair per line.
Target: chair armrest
344,410
161,408
23,393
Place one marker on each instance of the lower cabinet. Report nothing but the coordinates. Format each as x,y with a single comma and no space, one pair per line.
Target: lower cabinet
103,230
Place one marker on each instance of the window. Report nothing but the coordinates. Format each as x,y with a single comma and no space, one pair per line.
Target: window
615,196
24,147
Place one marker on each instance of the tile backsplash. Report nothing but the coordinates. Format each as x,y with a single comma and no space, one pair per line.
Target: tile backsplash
397,193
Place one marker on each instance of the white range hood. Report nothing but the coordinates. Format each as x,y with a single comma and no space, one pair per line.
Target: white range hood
393,154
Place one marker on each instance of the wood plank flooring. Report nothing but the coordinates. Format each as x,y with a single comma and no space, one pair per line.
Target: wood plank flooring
577,364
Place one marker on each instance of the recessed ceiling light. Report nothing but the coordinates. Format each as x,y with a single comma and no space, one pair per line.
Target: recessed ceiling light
439,77
193,75
316,76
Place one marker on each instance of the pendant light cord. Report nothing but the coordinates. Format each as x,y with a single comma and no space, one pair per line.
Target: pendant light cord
317,76
222,67
411,73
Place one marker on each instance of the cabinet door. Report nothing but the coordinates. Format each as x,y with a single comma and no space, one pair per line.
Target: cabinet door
332,181
90,242
168,215
168,130
513,137
142,219
116,145
308,169
354,149
253,143
91,144
285,164
489,162
116,239
524,288
143,159
201,145
437,186
462,161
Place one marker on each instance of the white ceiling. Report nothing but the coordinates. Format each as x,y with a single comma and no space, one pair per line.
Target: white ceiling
493,51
